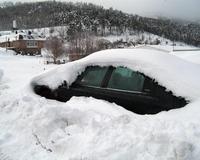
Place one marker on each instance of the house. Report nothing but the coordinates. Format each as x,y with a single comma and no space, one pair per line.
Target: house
23,42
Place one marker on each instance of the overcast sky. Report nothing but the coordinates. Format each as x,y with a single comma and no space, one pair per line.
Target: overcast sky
185,9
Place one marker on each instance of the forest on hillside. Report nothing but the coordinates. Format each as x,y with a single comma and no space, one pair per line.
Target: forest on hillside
84,17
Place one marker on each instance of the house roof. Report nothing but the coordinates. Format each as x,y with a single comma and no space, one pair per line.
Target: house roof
15,36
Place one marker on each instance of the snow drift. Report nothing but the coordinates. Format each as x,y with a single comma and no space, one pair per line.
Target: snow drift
176,74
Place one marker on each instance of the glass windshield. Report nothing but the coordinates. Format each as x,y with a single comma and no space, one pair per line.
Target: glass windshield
125,79
93,76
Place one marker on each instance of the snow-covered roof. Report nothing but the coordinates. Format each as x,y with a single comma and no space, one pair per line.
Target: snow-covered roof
15,36
176,74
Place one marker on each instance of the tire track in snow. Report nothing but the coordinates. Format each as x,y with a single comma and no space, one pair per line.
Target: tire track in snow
4,156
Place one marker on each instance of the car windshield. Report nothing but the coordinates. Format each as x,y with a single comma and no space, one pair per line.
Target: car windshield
126,79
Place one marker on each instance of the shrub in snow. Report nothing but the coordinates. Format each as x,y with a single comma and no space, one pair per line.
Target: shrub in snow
55,46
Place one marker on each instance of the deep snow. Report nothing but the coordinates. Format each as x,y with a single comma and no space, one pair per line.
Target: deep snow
35,128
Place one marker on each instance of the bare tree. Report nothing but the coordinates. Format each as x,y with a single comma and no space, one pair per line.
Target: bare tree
83,43
55,46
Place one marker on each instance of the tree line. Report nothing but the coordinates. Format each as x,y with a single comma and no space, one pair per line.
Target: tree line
90,18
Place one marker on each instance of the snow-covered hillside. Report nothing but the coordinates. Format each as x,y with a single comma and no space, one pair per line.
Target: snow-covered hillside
61,31
34,128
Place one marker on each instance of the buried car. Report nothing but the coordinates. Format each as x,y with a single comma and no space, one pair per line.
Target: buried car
142,81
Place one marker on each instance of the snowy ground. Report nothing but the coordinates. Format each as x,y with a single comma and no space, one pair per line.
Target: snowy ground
35,128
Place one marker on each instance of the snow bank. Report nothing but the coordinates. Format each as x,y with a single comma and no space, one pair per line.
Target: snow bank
176,74
86,128
4,51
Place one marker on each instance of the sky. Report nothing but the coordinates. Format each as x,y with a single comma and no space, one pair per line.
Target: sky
184,9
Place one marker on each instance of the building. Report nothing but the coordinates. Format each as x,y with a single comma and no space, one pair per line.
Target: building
23,42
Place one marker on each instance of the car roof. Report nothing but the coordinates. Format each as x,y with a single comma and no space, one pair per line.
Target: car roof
177,75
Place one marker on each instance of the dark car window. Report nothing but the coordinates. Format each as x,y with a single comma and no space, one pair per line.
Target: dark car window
126,79
93,76
149,85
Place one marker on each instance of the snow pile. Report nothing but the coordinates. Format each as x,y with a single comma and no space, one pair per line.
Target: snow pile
86,128
176,74
5,52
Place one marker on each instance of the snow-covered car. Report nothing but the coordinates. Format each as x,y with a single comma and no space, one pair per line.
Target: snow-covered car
140,80
132,90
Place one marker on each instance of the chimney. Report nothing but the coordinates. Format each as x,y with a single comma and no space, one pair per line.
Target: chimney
14,25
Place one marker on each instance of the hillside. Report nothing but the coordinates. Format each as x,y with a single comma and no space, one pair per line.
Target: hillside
83,17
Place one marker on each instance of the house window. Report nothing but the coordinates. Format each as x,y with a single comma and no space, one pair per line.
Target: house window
31,44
